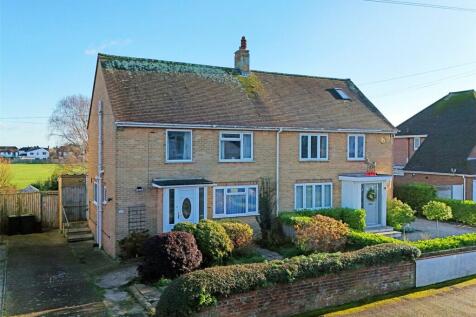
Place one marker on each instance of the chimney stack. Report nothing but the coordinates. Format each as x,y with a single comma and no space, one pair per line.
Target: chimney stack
242,58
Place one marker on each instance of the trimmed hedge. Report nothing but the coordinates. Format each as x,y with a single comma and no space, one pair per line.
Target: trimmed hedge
463,210
355,218
356,240
240,234
213,241
416,195
198,290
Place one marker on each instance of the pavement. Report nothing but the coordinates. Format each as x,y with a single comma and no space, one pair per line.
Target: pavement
43,277
456,300
426,229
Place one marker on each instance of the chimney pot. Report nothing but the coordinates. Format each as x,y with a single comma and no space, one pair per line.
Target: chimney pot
242,58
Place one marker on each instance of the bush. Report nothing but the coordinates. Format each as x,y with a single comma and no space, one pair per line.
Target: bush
267,206
355,218
322,233
358,240
185,227
451,242
131,246
195,291
213,242
437,210
416,195
169,255
463,210
399,214
240,234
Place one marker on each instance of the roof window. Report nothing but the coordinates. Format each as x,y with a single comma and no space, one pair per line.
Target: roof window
341,94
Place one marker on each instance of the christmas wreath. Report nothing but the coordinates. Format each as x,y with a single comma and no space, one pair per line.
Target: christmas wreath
371,194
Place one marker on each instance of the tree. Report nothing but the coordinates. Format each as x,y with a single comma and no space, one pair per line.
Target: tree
5,175
436,210
399,214
69,120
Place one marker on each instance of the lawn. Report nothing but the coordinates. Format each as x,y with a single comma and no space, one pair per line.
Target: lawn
26,174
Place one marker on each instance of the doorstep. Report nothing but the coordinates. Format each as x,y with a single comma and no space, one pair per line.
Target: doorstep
384,231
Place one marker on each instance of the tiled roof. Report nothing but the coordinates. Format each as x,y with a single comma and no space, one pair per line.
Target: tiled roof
154,91
450,124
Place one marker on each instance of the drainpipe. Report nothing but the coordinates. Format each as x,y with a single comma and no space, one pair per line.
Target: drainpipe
464,188
99,178
277,169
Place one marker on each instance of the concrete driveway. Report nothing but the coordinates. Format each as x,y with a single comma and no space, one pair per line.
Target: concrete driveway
426,229
44,278
456,300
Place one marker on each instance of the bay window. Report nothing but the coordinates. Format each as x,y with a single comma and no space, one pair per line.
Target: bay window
233,201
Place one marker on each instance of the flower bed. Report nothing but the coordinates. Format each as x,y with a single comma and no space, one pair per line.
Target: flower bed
200,289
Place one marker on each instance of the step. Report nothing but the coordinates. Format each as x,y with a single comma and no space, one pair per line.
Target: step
76,230
77,224
392,234
80,237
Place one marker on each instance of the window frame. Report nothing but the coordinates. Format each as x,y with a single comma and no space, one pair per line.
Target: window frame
313,195
414,143
241,133
356,147
309,135
167,160
342,94
247,213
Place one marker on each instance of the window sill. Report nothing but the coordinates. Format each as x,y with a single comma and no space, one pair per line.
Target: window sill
178,162
356,160
314,160
250,214
236,161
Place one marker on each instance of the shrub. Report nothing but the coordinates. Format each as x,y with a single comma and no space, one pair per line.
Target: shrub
131,246
358,240
240,234
355,218
451,242
267,206
169,255
416,195
201,289
322,233
463,210
213,242
399,214
437,210
185,227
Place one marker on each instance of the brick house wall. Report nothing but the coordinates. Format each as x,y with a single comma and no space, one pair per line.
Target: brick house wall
403,150
437,180
315,293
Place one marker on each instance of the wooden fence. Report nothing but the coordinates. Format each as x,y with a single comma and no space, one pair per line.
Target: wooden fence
44,205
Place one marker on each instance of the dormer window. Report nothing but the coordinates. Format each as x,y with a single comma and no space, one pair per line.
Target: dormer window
341,94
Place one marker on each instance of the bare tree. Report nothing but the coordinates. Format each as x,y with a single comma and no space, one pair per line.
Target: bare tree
69,120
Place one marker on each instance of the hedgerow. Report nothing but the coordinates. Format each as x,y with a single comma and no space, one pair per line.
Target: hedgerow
355,218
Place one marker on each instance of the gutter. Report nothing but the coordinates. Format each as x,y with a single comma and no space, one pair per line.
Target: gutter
438,173
277,169
236,127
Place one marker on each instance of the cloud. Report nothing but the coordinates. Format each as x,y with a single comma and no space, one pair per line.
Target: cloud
106,45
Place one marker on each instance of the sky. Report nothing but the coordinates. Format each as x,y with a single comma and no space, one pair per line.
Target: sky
402,57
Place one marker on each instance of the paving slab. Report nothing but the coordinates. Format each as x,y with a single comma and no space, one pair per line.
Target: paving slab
44,276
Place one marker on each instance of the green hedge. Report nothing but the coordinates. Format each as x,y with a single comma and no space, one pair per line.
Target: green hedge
451,242
356,240
355,218
200,289
463,210
416,195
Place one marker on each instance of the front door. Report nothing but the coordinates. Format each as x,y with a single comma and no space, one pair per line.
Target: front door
186,205
371,203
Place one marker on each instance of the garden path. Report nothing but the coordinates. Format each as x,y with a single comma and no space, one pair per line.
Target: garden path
426,229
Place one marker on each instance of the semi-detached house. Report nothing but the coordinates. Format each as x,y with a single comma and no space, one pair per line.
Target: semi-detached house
172,142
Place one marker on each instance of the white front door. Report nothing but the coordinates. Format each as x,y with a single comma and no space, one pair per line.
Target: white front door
186,205
371,203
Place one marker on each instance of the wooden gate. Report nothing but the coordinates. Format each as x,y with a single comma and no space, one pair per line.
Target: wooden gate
74,199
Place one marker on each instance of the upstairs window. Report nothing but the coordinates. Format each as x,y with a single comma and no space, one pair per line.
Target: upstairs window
356,147
179,146
236,146
341,94
313,147
416,143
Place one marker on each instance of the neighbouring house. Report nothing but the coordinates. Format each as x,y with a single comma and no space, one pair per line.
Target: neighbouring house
34,153
66,152
438,146
172,142
9,152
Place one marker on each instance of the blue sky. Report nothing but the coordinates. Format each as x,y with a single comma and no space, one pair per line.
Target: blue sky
48,48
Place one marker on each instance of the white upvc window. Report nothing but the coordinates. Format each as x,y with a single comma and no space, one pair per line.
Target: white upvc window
313,196
356,147
234,201
416,143
178,146
236,146
313,147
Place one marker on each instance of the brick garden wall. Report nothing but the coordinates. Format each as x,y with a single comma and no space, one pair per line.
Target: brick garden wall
309,294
